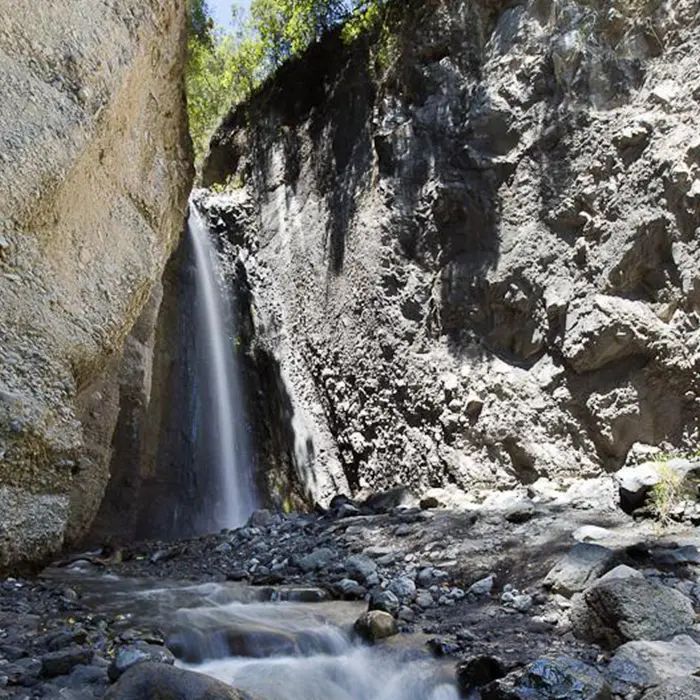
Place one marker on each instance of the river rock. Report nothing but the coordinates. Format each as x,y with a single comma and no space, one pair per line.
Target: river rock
139,653
350,589
58,663
579,568
481,588
478,672
361,567
617,610
385,601
376,624
403,588
154,681
546,679
643,665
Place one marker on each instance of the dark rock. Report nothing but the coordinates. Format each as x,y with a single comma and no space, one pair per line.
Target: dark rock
62,639
237,575
134,654
59,663
24,672
439,646
317,560
617,610
429,502
385,601
260,518
478,672
154,681
386,501
350,590
550,679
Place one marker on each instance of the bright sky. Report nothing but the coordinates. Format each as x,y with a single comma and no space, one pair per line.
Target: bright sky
221,9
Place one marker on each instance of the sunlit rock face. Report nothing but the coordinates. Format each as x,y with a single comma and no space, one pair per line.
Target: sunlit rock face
94,176
472,246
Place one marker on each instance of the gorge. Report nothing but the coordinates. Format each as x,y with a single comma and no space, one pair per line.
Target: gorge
429,345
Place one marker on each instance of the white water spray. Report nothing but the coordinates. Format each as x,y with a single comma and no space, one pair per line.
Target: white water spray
236,494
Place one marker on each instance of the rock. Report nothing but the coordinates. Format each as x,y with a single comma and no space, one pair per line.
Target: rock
403,588
24,672
260,518
376,624
429,502
148,681
318,559
384,601
579,568
424,599
638,666
546,679
388,500
361,567
481,588
681,689
521,513
138,653
591,533
59,663
617,610
350,589
478,672
523,603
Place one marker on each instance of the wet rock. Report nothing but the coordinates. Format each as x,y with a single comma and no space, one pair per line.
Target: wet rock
64,638
478,672
24,672
638,666
579,568
384,601
376,624
681,689
521,513
429,502
134,654
154,680
618,610
301,595
546,679
59,663
316,560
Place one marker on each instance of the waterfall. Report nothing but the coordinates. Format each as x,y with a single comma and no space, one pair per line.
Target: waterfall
233,490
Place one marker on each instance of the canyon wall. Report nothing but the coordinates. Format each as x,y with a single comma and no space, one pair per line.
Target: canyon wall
471,243
95,169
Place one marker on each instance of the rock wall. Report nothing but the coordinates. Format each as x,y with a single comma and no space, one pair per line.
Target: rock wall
472,243
95,167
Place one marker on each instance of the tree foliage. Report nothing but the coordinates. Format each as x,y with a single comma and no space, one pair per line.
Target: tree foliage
224,66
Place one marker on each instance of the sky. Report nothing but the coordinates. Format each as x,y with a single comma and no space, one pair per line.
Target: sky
221,9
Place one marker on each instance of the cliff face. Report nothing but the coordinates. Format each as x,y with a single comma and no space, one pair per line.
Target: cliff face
94,175
472,246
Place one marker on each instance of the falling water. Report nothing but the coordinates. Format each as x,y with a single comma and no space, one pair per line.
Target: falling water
234,488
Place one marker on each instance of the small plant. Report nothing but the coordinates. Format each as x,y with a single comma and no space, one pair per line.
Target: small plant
666,494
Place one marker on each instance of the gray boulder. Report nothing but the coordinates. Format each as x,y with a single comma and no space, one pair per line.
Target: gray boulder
385,601
403,588
316,560
579,568
361,567
684,689
643,665
135,654
375,624
152,681
619,610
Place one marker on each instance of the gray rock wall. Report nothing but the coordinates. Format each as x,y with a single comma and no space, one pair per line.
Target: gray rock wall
95,168
473,247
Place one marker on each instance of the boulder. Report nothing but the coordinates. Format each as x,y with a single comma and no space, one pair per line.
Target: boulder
58,663
153,681
375,624
478,672
546,679
316,560
618,610
579,568
642,665
403,588
361,567
138,653
385,601
682,689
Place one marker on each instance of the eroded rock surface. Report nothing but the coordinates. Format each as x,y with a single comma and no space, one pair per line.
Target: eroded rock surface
477,264
94,173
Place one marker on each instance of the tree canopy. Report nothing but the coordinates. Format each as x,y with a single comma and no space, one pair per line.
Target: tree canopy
225,65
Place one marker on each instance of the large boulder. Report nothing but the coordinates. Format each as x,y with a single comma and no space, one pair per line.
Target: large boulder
94,177
579,568
643,665
153,681
618,610
680,689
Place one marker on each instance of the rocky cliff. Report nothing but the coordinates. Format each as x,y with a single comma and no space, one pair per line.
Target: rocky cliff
94,175
472,242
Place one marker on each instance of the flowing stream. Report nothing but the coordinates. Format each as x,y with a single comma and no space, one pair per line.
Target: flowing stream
233,466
